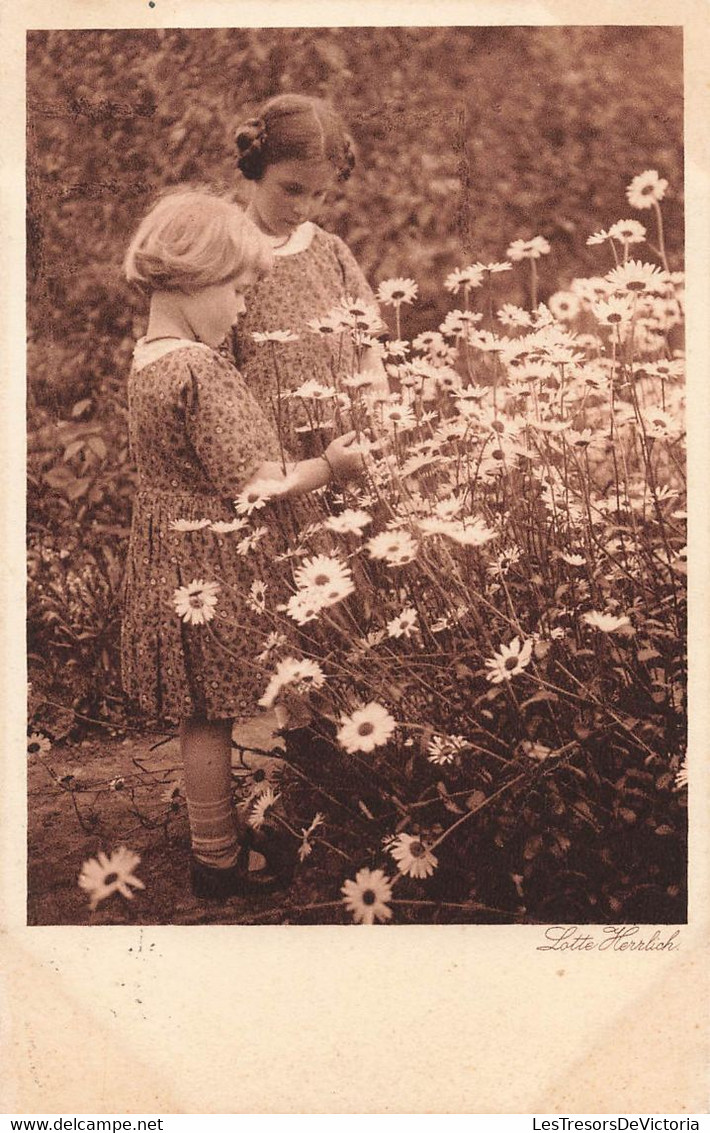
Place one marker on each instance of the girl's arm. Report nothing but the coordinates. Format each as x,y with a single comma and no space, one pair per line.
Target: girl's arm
342,460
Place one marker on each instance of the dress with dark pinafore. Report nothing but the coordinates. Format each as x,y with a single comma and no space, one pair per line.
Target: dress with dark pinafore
197,436
302,286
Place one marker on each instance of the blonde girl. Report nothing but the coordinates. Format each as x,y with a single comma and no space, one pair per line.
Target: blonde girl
198,436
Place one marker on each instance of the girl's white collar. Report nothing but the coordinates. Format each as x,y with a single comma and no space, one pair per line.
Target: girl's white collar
298,241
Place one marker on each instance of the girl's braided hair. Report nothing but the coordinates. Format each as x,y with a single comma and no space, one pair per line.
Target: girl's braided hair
294,127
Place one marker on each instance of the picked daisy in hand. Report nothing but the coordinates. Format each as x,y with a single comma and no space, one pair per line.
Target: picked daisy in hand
195,602
366,729
509,661
413,858
102,876
366,897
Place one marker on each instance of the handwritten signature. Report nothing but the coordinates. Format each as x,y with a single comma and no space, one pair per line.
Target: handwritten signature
614,938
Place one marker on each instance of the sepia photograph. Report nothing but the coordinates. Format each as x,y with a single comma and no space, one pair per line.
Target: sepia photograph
356,497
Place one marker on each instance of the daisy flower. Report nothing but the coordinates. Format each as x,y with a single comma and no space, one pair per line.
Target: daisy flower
598,237
564,305
305,674
224,527
404,625
257,596
646,188
464,278
329,324
352,521
509,661
259,492
395,547
244,546
189,524
304,606
366,729
37,744
607,623
260,807
366,897
628,232
636,277
572,559
102,876
528,249
195,603
325,573
468,533
494,268
275,336
397,291
272,642
413,858
511,316
314,391
398,417
443,749
457,322
613,310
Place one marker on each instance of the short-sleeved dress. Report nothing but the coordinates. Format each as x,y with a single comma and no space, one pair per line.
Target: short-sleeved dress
303,286
197,436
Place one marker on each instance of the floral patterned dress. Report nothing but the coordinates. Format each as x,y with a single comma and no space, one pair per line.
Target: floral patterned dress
197,435
302,286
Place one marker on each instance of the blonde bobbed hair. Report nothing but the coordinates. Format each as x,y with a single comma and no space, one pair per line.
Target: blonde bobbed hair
191,239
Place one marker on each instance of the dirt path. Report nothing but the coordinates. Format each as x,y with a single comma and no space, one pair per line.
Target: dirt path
121,796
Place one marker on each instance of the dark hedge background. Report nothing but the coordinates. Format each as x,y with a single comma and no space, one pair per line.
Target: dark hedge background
468,138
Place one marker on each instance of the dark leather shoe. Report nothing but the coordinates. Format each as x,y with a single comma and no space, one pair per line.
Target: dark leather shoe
209,883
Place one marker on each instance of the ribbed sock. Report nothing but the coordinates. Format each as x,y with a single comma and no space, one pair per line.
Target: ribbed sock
213,832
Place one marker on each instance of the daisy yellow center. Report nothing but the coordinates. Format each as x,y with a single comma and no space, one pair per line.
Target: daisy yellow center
110,878
636,285
416,849
398,294
366,728
33,748
614,318
195,600
321,579
369,897
647,190
498,427
511,663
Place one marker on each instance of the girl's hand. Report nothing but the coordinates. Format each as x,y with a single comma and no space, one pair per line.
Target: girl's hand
345,457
